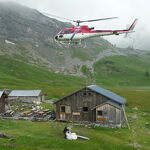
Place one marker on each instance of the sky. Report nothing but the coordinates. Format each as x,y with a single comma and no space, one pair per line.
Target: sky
125,10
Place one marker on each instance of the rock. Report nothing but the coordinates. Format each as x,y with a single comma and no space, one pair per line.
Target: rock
49,101
61,53
9,42
2,135
134,117
9,113
145,114
118,126
136,145
135,108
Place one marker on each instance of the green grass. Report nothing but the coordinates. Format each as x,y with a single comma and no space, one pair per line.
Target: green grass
49,136
122,71
126,80
15,74
139,97
113,71
86,71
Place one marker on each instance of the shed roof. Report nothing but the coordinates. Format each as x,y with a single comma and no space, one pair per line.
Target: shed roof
111,103
107,93
25,93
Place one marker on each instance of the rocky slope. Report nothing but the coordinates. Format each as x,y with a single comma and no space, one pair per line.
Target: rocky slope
27,35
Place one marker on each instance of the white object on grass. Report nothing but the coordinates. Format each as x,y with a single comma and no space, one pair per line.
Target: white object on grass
71,136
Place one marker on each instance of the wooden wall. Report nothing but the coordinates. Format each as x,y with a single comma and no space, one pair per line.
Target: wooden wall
2,105
25,99
110,114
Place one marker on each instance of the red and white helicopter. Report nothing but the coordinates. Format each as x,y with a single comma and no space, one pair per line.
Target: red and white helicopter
77,33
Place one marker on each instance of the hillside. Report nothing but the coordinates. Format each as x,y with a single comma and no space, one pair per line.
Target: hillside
26,38
16,74
28,33
123,71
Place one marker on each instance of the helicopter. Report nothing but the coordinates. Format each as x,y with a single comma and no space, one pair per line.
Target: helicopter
79,32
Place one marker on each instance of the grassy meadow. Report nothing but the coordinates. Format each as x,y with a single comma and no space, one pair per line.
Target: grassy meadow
123,71
15,74
49,136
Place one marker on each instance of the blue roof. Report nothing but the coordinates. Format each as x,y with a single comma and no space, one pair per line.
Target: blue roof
107,93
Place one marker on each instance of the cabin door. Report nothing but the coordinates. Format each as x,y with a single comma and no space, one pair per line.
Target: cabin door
62,113
62,116
85,114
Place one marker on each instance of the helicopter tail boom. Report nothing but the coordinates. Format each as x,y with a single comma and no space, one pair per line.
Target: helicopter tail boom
133,25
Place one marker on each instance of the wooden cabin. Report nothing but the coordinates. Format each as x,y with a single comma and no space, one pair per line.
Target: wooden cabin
26,96
3,101
93,104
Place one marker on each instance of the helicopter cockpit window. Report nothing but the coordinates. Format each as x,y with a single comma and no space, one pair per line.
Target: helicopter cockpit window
62,32
92,28
67,31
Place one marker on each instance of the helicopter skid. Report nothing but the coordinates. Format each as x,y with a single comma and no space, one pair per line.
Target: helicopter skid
70,42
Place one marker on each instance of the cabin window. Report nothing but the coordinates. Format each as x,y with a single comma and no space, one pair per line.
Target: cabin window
63,109
89,93
85,109
86,93
100,113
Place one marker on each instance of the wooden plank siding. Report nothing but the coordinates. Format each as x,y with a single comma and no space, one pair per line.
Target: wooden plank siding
2,105
110,114
3,101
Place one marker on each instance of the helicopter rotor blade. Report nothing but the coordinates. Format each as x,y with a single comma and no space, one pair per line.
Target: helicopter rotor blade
48,15
76,21
96,19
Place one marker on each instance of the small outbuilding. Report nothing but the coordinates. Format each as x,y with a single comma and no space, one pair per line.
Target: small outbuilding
26,96
3,101
93,104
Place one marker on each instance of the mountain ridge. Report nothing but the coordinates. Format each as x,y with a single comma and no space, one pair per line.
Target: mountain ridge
34,32
28,37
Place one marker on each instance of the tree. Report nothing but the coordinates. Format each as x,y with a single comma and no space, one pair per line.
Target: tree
147,74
